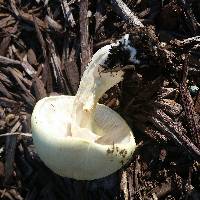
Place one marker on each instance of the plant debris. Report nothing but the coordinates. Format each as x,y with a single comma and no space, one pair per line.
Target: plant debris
45,46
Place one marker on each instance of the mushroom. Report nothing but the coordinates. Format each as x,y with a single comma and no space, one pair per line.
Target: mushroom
77,137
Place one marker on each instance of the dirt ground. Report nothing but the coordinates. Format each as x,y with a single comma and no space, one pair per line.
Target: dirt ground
45,46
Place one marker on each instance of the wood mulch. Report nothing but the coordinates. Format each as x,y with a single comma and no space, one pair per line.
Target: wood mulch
45,46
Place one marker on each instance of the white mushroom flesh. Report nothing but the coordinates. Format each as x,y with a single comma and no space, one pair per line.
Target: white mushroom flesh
74,135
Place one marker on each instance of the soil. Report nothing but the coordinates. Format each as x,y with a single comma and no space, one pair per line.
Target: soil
45,46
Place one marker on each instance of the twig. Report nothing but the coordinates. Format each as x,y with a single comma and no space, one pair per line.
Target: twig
16,133
187,41
192,39
123,10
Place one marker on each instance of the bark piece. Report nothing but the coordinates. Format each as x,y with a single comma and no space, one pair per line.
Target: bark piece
188,106
123,10
84,35
39,89
46,76
56,65
26,66
31,57
11,142
4,91
53,24
67,13
71,68
4,45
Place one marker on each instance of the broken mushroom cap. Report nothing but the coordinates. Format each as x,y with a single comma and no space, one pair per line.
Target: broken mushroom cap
78,138
74,157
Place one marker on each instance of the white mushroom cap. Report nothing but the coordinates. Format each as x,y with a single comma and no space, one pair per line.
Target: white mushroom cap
80,157
78,138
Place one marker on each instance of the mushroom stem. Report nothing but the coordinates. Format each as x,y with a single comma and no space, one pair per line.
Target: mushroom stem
94,83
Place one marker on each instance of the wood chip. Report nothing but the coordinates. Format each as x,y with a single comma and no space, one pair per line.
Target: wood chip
71,69
39,89
46,76
5,80
53,24
26,17
84,34
6,22
26,66
4,91
4,45
67,13
31,57
56,65
5,102
124,185
123,10
11,142
2,169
